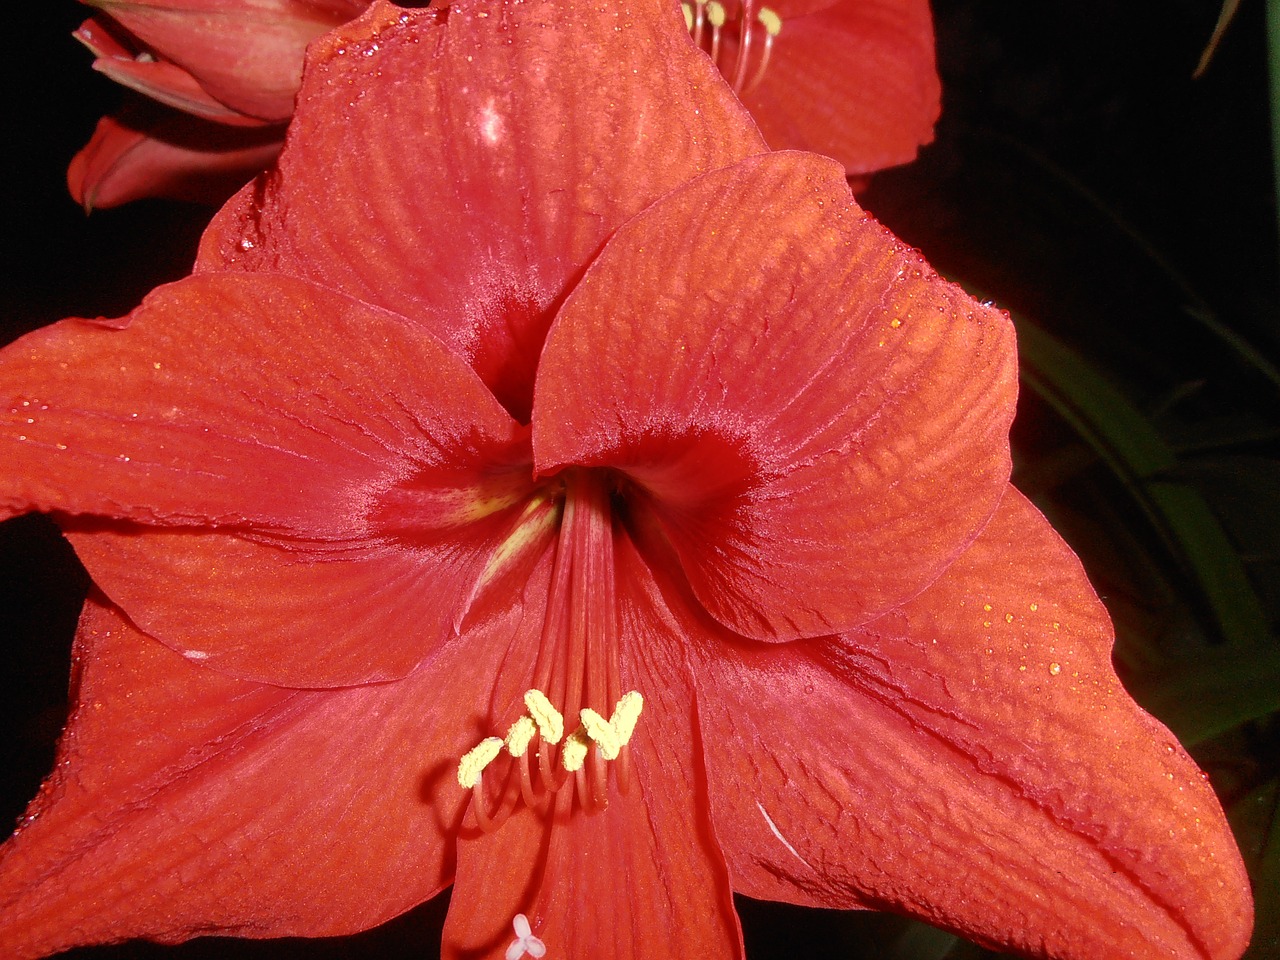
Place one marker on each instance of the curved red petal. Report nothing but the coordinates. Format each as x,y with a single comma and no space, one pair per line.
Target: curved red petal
290,433
185,803
252,402
175,155
641,880
819,422
476,202
855,81
247,54
173,86
273,614
972,759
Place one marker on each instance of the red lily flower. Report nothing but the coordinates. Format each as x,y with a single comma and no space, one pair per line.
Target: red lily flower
601,531
853,79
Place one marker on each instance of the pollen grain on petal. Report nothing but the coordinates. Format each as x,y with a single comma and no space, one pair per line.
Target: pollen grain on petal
539,518
475,760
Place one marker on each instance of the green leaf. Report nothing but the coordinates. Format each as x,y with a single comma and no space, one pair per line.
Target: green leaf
1201,697
1266,879
1225,17
919,941
1142,460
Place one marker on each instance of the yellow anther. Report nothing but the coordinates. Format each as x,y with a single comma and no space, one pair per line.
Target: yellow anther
601,731
476,759
613,734
575,750
625,715
687,9
715,13
550,723
519,735
771,21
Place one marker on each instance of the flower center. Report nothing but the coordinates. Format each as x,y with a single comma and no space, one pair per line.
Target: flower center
576,677
750,34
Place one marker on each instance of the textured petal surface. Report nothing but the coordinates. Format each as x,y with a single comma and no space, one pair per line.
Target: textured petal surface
642,880
819,421
245,53
263,484
474,203
972,759
158,153
187,803
855,81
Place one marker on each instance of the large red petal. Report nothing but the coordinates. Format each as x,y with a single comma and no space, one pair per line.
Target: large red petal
161,153
819,421
855,81
185,803
644,879
291,433
522,135
972,759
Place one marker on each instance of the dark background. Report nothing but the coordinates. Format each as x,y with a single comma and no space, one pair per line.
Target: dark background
1080,178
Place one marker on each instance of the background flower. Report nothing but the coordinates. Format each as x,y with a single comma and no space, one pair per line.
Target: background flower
852,79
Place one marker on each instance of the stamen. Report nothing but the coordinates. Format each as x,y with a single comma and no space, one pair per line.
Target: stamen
714,13
575,751
601,731
745,30
476,759
518,737
771,21
577,671
626,714
716,17
550,722
772,24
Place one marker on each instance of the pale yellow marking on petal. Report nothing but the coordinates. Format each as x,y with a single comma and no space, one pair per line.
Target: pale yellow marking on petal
536,521
519,736
476,759
550,722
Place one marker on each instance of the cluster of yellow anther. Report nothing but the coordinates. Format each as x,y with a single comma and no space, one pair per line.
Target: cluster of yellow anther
545,721
716,16
706,21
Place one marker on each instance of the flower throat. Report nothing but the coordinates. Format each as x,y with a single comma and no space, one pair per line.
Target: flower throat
576,677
